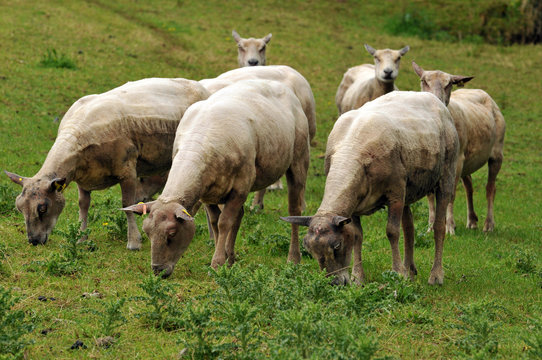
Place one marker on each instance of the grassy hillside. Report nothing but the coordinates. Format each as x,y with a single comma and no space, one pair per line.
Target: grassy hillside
52,53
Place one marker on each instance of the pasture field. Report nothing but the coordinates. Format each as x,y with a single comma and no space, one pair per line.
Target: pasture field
54,52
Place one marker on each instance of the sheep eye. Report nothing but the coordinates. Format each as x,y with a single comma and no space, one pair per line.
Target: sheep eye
337,246
262,49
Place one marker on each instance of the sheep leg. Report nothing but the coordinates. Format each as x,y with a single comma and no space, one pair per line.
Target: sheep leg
84,204
257,203
395,211
296,177
439,232
494,166
357,269
227,223
128,189
277,185
431,206
450,222
408,234
213,214
230,240
472,218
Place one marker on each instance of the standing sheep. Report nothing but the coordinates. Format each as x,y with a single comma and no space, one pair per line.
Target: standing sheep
390,152
103,140
251,51
481,127
366,82
284,74
241,139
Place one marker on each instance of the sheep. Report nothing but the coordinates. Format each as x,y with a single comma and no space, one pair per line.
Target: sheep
481,127
390,152
366,82
284,74
106,139
241,139
251,51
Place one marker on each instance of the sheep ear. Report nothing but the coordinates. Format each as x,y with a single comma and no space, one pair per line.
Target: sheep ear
298,220
267,38
404,50
417,69
140,209
460,81
370,49
236,36
17,179
58,184
340,221
182,214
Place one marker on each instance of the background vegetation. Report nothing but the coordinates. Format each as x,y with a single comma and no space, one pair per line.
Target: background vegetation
99,300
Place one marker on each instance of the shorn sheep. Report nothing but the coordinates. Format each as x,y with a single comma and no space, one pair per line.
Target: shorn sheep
251,51
282,73
241,139
391,152
366,82
103,140
481,127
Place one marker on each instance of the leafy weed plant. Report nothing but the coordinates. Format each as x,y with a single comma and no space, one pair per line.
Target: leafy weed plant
14,325
52,59
68,262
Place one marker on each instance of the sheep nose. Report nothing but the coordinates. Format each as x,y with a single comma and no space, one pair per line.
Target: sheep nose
34,240
388,72
158,269
253,62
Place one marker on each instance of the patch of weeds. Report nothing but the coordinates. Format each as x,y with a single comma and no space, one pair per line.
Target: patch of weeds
52,59
105,213
478,321
534,341
423,240
68,262
233,322
278,244
162,308
7,199
525,262
111,316
14,325
412,22
199,331
376,297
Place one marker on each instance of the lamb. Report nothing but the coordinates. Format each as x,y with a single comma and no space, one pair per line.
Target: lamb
103,140
251,51
241,139
391,152
284,74
481,127
366,82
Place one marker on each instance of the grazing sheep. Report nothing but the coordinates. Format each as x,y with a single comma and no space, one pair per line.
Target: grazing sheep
284,74
241,139
366,82
103,140
251,51
391,152
481,127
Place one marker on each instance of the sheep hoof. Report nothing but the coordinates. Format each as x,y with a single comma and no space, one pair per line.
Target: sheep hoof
436,278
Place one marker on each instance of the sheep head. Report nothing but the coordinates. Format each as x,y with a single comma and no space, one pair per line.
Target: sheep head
40,202
330,241
387,62
251,51
170,229
439,83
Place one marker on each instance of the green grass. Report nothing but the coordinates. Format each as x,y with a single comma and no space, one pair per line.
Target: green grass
490,303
